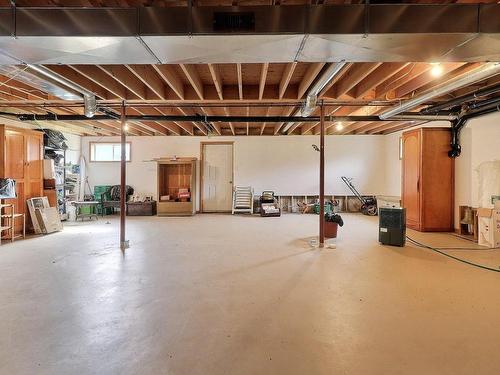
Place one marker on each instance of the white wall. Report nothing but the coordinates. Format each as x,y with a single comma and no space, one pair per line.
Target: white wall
286,164
73,153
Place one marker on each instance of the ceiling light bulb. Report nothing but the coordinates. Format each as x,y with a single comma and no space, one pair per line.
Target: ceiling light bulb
339,126
125,127
436,70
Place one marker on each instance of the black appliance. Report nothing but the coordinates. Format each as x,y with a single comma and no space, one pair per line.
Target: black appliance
392,226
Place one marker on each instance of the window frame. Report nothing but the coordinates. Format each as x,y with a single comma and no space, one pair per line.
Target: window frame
91,144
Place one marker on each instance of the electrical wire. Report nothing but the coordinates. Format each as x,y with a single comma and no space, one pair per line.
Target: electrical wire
452,257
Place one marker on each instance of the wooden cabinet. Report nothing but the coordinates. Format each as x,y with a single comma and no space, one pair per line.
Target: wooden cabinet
176,181
428,180
21,158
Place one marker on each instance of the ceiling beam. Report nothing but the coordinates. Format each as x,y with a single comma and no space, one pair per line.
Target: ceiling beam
309,77
168,75
96,75
239,73
80,80
128,80
353,76
215,73
379,75
262,81
424,79
286,77
147,75
193,78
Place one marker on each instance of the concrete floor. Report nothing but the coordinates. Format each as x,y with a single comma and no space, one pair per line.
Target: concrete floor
218,294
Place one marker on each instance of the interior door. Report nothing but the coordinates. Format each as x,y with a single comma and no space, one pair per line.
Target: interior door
411,178
217,177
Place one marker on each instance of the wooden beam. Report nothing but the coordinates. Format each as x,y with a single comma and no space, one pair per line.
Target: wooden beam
285,78
215,73
353,76
147,75
80,80
239,73
168,74
33,92
309,77
379,75
128,80
208,111
231,126
425,79
96,75
263,77
193,78
405,75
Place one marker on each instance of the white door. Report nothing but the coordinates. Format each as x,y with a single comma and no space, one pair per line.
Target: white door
217,177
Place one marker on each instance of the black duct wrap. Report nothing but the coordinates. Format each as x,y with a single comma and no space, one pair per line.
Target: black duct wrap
54,139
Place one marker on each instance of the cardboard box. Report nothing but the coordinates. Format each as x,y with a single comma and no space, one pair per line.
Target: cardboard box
489,226
49,170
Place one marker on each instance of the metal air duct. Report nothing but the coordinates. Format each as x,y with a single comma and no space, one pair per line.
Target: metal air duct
89,98
485,71
312,94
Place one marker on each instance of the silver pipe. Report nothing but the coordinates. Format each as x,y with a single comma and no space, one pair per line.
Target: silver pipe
425,117
485,71
312,94
89,98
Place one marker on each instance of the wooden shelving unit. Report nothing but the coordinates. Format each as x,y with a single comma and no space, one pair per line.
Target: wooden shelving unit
175,175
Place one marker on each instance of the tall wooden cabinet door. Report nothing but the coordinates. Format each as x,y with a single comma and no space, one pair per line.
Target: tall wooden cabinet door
15,163
34,166
411,178
437,181
14,155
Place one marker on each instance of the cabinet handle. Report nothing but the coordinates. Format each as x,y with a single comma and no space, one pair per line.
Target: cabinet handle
418,185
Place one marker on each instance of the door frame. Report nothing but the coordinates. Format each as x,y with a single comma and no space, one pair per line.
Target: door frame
202,165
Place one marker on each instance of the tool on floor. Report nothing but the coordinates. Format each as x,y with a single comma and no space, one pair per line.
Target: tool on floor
368,204
269,205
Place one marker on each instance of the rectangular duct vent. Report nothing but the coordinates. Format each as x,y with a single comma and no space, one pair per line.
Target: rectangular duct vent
234,21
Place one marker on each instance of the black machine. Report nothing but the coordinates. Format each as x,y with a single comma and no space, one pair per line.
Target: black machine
392,226
269,205
368,205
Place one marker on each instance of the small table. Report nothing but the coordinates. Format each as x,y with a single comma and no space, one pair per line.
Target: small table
92,205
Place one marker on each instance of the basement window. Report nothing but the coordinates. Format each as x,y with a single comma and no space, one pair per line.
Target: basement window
105,151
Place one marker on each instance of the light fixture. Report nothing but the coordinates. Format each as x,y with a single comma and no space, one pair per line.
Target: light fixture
436,70
339,126
125,127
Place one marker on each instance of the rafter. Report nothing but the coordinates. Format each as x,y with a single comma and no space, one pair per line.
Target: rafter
286,77
168,75
262,81
353,76
239,73
379,75
309,77
215,73
424,79
31,91
147,75
96,75
193,78
128,80
79,79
